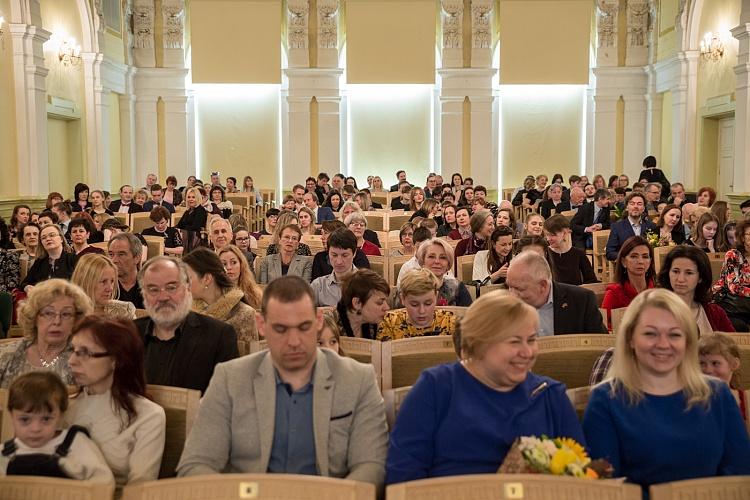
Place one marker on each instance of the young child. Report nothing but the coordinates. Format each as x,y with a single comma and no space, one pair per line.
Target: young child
37,402
720,358
329,335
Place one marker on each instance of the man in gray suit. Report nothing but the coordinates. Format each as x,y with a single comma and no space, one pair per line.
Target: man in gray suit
293,408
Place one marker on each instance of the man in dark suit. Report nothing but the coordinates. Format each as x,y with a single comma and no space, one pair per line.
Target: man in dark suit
634,224
591,217
562,308
157,200
181,347
678,196
125,204
401,175
321,213
553,202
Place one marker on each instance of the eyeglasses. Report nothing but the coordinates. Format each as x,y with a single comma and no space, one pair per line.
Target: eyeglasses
50,236
246,238
84,354
293,239
65,316
170,288
358,224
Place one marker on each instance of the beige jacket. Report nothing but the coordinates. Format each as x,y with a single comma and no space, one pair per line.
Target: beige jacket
233,431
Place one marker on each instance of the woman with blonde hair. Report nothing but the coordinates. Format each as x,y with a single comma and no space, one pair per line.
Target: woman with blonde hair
248,186
97,276
420,317
306,221
47,317
436,254
656,418
238,271
492,387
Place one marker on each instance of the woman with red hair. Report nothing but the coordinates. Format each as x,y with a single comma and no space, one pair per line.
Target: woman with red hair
706,196
107,363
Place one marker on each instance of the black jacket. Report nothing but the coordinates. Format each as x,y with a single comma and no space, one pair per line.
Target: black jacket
576,310
41,269
202,343
134,207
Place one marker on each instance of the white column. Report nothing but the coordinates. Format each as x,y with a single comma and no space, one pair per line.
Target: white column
684,111
297,140
329,134
482,165
30,79
605,133
176,136
451,134
96,99
742,109
634,147
146,137
127,139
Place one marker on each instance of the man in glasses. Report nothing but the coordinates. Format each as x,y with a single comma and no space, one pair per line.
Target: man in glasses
181,347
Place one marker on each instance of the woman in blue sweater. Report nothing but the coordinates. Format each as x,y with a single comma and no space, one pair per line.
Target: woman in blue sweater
656,417
462,418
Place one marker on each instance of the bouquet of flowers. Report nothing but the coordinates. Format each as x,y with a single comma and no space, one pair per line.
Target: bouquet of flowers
558,456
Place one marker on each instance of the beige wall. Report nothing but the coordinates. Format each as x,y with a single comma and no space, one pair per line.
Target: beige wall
390,130
66,161
7,113
237,132
667,44
115,158
541,131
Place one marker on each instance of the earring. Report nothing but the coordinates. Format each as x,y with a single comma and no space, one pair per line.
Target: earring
359,312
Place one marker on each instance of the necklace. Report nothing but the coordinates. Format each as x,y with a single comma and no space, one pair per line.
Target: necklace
44,362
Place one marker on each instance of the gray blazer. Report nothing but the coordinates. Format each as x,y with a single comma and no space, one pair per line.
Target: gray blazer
270,268
233,432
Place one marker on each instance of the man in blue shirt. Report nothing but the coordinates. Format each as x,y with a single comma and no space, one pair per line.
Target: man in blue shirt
293,408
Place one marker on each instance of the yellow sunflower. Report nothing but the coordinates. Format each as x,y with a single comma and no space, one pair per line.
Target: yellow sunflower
560,461
576,448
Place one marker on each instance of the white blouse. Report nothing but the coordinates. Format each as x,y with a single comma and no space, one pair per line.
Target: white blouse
133,453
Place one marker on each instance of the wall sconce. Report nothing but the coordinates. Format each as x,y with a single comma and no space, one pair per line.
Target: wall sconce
712,46
2,27
68,50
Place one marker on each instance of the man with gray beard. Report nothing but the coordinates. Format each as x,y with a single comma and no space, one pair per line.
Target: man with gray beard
181,347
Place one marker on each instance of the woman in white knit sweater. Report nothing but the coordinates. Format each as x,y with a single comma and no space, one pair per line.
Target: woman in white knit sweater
107,362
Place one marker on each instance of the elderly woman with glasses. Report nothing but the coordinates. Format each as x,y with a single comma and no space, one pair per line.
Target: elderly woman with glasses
129,429
47,317
55,258
437,255
287,260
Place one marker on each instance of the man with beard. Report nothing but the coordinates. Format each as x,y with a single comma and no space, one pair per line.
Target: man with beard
181,347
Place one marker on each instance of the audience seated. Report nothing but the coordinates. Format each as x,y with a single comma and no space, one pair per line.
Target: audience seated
657,418
126,250
286,218
492,265
55,258
37,402
720,357
706,234
463,224
449,220
492,388
671,230
482,224
288,260
534,225
157,200
634,273
97,276
437,255
357,224
563,309
81,231
321,262
21,216
732,290
29,238
593,216
419,317
175,337
215,296
341,247
421,234
350,207
553,202
107,364
406,238
363,304
172,238
290,374
571,264
47,317
635,224
125,204
193,220
239,273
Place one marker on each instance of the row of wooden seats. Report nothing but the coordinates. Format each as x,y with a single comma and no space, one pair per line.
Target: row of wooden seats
296,487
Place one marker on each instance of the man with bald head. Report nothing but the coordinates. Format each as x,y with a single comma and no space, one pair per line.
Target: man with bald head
577,198
562,308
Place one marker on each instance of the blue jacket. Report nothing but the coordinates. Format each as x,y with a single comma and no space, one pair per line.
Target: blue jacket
621,231
324,213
